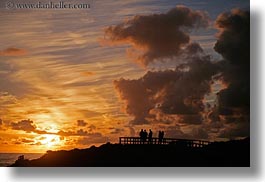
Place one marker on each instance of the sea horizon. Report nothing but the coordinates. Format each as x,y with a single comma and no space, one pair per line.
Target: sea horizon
7,159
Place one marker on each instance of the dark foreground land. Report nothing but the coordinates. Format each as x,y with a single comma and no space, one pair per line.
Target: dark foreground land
231,153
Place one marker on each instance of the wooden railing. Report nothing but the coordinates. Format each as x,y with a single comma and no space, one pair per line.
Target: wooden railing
164,141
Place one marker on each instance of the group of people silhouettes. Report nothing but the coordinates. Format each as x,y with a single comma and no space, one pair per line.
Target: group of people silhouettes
144,136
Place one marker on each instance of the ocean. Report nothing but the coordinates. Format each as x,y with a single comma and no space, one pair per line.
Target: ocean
9,158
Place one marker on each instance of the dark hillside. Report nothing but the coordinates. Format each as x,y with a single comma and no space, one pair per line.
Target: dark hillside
231,153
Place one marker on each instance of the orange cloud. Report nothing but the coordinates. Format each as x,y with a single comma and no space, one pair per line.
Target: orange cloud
87,73
81,123
12,51
28,126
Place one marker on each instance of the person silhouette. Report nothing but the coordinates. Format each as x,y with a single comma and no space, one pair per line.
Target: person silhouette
162,136
141,134
150,135
144,136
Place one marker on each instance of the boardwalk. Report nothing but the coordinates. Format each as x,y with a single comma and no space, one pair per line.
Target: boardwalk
165,141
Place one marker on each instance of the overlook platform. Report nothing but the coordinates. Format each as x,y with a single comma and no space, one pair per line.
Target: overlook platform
164,141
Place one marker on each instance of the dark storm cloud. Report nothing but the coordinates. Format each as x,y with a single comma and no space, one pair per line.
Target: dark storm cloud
234,36
234,45
177,96
180,91
158,36
175,132
196,133
191,119
136,97
233,131
237,95
199,133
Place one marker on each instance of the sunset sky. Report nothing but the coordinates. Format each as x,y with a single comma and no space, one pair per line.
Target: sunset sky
76,78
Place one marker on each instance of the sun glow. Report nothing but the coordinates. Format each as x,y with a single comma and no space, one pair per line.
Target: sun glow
50,141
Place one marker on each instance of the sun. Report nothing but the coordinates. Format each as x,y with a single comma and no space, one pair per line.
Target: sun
50,141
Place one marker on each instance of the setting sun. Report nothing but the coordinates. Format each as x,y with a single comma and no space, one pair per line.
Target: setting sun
50,141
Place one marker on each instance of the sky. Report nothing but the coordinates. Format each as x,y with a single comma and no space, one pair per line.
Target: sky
76,78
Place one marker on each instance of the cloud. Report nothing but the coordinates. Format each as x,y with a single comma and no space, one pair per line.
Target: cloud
79,132
17,143
191,119
157,36
26,140
92,127
6,98
117,131
27,126
180,92
24,125
137,99
132,131
12,51
1,124
233,131
12,85
87,73
81,123
92,140
36,143
234,45
175,132
85,137
199,133
234,36
89,113
177,96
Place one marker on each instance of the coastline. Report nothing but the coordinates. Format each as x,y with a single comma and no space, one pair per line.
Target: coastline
234,153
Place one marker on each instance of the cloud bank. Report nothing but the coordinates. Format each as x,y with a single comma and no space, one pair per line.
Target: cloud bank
177,96
157,36
234,45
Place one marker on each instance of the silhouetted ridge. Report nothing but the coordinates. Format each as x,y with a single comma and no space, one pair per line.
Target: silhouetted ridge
231,153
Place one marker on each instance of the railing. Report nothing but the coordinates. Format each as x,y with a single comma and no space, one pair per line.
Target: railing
164,141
